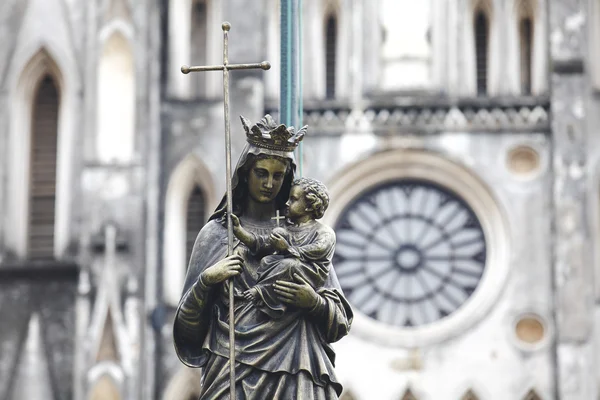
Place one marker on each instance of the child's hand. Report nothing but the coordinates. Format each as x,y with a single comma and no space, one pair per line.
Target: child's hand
238,231
279,242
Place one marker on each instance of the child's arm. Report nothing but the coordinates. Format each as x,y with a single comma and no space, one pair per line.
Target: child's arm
320,248
242,234
257,244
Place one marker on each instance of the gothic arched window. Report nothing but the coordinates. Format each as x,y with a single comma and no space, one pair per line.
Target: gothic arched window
195,218
198,42
526,52
116,101
331,35
42,195
481,29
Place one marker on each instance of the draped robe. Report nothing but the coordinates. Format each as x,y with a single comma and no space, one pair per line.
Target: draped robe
309,256
287,358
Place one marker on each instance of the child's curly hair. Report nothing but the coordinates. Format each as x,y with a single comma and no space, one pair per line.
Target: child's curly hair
317,196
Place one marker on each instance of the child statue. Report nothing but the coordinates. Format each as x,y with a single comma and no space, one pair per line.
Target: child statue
302,250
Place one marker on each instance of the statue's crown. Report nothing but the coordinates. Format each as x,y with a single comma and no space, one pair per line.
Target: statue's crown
268,135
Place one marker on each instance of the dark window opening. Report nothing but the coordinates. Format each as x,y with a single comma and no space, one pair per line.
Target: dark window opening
42,195
481,51
195,218
330,56
198,45
526,47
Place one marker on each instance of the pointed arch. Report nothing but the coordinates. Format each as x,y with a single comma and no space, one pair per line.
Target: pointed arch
185,29
526,25
40,72
191,173
42,177
115,120
316,73
527,48
33,365
198,45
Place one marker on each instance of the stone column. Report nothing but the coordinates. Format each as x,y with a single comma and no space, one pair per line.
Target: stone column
573,270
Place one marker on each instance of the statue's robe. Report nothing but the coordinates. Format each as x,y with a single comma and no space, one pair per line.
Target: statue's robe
309,256
287,358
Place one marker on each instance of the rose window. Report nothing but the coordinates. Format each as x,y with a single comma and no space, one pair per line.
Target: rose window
409,252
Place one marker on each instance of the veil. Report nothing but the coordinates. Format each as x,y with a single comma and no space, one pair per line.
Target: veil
239,186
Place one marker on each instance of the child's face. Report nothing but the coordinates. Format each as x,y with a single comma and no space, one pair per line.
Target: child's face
296,204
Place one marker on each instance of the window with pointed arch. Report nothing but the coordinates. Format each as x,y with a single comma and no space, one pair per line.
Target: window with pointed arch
198,41
526,29
42,194
331,39
196,217
481,29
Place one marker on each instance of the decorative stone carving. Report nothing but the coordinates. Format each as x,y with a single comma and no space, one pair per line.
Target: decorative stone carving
523,161
512,118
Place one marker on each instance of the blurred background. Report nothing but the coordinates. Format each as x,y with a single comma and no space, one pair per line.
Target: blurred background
457,137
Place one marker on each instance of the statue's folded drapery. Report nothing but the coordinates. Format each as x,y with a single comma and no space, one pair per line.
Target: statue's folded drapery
308,257
276,359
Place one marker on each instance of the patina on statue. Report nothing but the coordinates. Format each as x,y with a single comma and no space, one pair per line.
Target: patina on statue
289,357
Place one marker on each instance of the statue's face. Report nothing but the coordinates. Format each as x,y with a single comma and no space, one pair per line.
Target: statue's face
265,179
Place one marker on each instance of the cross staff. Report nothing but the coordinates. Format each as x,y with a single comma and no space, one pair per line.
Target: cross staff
226,67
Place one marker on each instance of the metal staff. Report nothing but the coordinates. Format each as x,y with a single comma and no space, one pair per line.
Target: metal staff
226,67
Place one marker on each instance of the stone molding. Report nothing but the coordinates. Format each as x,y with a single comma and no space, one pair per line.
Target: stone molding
430,117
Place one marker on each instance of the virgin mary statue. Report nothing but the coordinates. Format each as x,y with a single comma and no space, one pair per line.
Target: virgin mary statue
277,359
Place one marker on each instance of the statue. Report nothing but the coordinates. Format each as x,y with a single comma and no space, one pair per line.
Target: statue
302,251
288,304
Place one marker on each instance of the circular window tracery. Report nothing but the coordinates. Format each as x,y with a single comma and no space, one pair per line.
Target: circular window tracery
363,186
409,252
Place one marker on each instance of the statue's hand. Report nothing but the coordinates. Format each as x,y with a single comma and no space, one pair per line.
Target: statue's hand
300,294
223,270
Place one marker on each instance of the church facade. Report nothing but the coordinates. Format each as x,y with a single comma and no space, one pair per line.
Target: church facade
457,139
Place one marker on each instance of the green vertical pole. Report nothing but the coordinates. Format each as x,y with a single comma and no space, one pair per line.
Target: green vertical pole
300,103
290,107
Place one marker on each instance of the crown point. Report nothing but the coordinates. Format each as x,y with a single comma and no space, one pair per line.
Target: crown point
226,26
265,65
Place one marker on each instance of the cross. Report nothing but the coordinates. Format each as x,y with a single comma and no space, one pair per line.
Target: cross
226,67
277,217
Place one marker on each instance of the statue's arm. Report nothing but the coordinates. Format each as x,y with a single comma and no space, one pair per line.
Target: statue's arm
332,314
208,266
191,314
